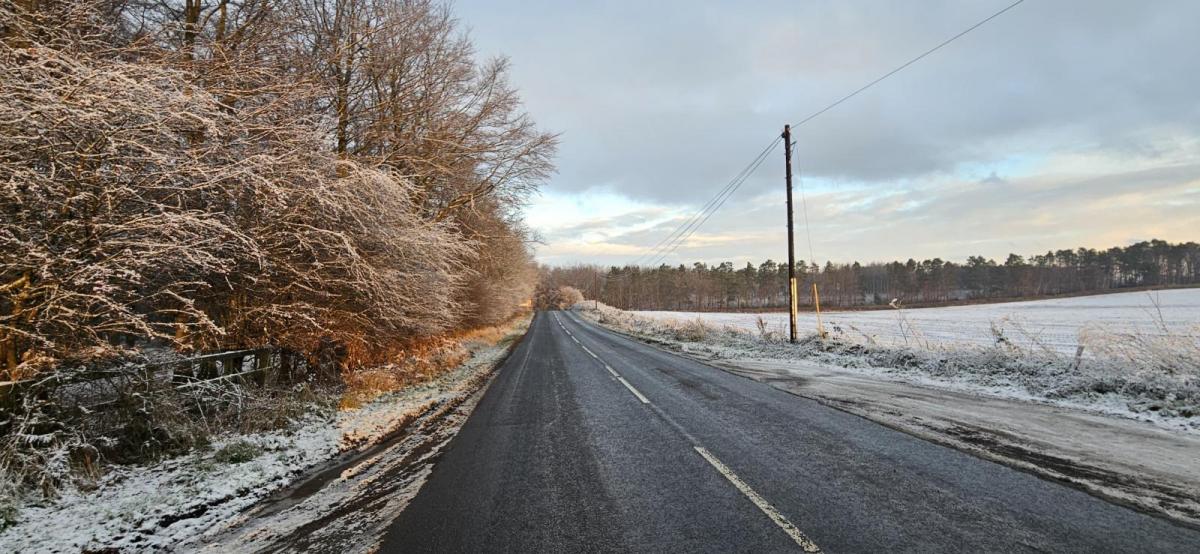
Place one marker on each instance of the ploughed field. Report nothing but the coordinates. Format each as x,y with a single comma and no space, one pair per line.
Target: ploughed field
1059,324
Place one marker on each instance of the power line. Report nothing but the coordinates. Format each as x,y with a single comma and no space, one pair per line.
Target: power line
804,205
713,204
697,219
906,64
686,229
737,183
814,115
687,222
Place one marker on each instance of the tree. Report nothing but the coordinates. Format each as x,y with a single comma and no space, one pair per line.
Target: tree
400,83
706,287
162,178
556,298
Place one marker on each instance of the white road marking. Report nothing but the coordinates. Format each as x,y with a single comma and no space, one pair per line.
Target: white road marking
805,543
788,527
633,390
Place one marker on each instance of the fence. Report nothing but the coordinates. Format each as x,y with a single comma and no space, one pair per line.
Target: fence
260,366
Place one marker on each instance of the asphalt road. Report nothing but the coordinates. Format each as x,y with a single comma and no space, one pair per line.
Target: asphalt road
591,442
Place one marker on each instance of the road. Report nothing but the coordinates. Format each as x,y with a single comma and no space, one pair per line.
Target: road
590,442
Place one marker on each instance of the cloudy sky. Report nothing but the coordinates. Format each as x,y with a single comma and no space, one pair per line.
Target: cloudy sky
1062,123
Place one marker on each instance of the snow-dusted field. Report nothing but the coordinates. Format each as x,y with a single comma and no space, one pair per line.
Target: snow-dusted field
1054,324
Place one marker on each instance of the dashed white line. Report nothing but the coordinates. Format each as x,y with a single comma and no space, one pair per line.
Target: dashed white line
805,543
633,390
761,503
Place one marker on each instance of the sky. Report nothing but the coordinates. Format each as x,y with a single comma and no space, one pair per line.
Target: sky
1057,125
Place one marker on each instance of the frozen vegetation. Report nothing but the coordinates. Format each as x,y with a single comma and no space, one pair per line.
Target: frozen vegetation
1140,351
178,502
220,202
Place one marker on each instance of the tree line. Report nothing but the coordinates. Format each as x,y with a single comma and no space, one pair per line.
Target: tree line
214,174
724,287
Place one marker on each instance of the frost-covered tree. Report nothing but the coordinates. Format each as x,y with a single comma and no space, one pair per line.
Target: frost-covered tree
556,298
139,205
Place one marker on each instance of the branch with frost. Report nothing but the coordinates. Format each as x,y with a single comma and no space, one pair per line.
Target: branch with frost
137,204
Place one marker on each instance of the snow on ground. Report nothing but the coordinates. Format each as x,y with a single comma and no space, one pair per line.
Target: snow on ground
1055,324
161,506
347,507
1129,461
1145,377
1038,409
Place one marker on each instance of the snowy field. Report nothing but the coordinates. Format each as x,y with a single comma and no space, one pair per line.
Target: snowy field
1136,363
1054,324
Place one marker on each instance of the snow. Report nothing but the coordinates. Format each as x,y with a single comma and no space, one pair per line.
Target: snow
1128,375
131,508
1129,461
1122,423
351,511
1055,324
161,506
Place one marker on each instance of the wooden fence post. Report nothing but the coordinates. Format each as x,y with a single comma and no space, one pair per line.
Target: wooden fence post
208,369
235,363
262,358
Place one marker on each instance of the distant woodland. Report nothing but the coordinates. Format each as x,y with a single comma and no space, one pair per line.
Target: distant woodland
911,283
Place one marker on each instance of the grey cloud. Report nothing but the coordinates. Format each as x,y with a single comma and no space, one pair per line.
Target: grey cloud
666,100
993,179
636,217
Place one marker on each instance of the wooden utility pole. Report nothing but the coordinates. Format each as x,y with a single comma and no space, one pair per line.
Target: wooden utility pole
787,157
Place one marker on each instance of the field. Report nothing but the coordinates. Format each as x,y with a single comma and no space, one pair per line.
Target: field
1132,355
1056,325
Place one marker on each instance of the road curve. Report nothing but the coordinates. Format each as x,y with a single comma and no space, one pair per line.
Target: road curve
590,442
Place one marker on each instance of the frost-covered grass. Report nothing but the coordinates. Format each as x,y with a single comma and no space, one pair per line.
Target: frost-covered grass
154,506
161,505
1150,376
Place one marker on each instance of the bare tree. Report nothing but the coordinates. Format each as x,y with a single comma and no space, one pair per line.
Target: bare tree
402,88
136,204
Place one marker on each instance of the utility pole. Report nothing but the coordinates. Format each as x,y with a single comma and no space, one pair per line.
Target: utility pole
787,156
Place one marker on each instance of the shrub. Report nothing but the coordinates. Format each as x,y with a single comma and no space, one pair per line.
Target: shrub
237,452
556,298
